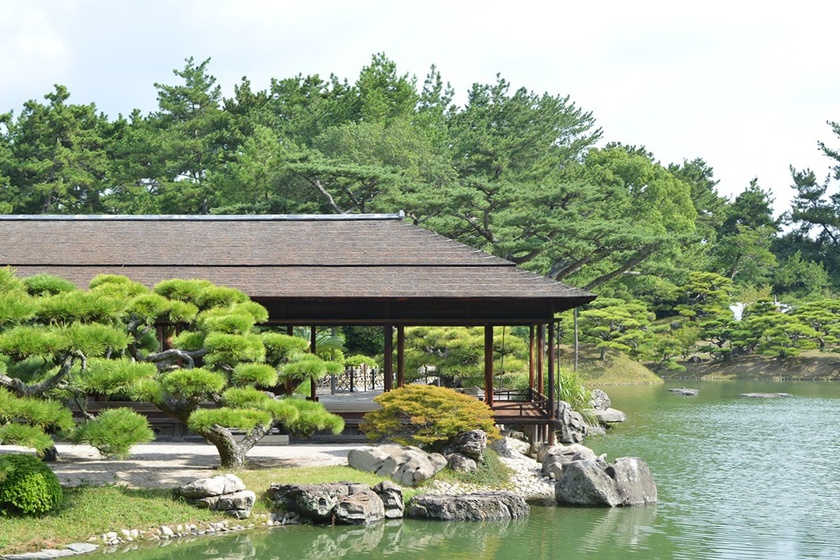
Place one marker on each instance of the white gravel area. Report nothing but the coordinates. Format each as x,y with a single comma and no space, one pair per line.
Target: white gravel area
527,480
167,465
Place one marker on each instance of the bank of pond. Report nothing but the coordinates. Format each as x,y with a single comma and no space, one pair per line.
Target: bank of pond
737,477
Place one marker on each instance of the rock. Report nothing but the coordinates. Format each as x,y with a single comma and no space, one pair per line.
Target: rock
625,482
221,493
392,499
600,400
342,502
472,391
472,444
360,508
596,430
468,507
765,395
368,459
82,548
216,486
515,434
166,531
555,457
408,466
573,452
314,501
238,504
634,481
683,392
610,416
508,446
461,463
571,427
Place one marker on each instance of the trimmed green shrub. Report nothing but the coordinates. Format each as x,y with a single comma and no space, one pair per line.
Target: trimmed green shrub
427,416
114,431
202,421
311,417
47,284
27,486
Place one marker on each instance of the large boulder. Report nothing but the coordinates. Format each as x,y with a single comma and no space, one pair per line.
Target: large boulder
626,482
220,493
238,504
216,486
392,499
408,466
510,447
313,501
472,444
609,416
341,502
360,508
571,427
461,463
599,400
468,507
571,452
555,457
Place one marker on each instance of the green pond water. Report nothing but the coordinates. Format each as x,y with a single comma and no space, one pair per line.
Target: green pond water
737,478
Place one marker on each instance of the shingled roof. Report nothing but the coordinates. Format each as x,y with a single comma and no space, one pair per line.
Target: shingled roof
324,269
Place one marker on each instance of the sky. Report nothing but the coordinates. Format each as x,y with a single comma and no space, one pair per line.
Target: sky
747,86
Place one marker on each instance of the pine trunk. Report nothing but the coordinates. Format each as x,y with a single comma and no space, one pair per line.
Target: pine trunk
231,453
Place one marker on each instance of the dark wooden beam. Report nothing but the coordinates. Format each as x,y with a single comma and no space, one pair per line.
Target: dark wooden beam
488,365
313,347
400,356
551,360
540,358
531,356
388,359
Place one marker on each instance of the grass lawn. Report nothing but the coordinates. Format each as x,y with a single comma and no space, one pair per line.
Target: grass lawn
90,511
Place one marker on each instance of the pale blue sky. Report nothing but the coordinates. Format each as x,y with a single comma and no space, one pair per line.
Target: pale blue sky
746,85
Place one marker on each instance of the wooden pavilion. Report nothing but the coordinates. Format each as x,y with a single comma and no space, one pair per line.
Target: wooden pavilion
317,270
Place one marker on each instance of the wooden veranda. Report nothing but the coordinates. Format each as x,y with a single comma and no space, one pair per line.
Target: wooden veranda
320,270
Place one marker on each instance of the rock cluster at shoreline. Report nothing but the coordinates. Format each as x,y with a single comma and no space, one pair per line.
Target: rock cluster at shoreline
526,479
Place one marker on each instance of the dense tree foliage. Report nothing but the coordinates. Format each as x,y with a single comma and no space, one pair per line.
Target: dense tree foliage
521,174
62,345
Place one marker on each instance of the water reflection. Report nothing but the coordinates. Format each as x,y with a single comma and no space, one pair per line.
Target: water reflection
627,528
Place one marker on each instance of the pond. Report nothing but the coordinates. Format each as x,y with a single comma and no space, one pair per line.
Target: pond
737,477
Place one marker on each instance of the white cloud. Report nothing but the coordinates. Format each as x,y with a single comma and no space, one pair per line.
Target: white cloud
746,85
33,55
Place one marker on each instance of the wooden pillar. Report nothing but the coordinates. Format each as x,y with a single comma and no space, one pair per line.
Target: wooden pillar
313,347
540,361
488,365
400,356
531,359
290,330
551,414
388,359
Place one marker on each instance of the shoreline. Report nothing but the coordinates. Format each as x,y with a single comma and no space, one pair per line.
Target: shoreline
80,465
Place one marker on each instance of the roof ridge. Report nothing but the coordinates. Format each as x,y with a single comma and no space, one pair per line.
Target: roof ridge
201,218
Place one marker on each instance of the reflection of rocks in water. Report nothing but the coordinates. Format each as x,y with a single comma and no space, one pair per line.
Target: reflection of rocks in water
477,539
626,528
221,547
335,542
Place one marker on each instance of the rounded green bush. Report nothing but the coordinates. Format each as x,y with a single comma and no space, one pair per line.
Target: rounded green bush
427,416
114,431
27,486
